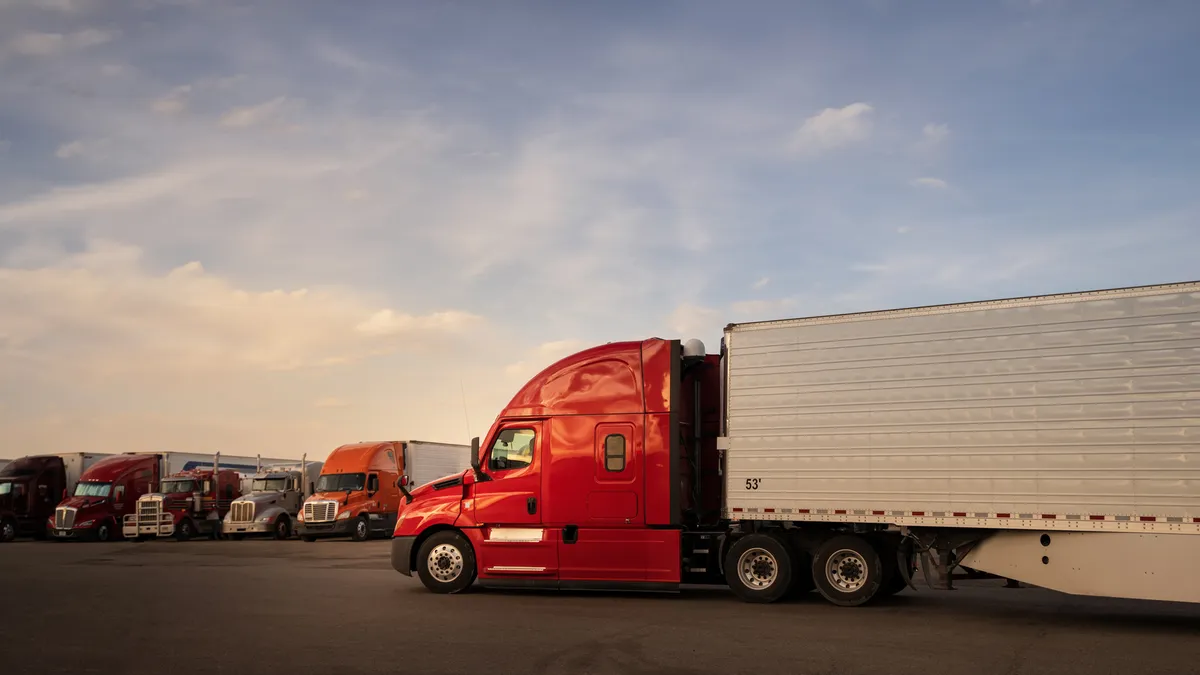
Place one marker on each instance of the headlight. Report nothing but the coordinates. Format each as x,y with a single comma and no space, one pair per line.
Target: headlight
300,516
263,519
84,524
343,515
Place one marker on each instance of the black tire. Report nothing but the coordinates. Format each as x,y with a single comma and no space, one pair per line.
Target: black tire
760,568
893,578
309,539
802,578
104,531
362,529
283,528
454,559
8,530
848,570
185,530
237,537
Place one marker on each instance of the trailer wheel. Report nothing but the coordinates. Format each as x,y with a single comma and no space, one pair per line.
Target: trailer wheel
759,568
446,562
8,530
362,529
848,570
283,527
890,549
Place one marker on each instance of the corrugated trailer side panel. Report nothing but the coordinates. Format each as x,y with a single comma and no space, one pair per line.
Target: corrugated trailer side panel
426,462
1076,411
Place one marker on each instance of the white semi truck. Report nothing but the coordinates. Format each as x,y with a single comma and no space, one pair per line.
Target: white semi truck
272,500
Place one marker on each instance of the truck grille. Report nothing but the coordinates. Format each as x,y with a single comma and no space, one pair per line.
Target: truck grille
64,517
149,511
320,512
241,512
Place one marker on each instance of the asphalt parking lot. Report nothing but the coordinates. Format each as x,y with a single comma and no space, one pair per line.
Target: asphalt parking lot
338,607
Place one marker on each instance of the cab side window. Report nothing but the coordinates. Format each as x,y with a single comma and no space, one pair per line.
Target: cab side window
513,449
119,495
373,483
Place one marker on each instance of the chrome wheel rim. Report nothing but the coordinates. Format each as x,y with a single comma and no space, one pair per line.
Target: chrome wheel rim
445,563
362,528
846,570
758,568
7,531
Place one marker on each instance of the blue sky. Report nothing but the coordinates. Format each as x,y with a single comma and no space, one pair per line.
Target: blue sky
233,224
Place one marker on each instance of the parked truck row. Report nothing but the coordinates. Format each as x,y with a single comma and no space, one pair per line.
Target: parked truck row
355,492
1053,440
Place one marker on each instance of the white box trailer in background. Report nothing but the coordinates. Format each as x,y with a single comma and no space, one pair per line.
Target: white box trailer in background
75,463
1054,440
424,462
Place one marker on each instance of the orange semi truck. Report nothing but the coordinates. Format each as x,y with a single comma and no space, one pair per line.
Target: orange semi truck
359,491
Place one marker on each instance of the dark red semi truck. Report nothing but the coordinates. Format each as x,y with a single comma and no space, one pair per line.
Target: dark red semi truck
30,487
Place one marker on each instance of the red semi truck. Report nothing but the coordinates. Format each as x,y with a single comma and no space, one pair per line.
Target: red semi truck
1051,440
186,504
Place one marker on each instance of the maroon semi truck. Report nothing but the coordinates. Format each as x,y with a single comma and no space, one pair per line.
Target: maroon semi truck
31,486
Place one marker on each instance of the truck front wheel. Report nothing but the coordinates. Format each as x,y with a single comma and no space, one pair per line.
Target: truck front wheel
283,527
758,568
446,563
362,529
103,532
848,570
185,530
8,530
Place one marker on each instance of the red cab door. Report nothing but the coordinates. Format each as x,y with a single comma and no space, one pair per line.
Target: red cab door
508,507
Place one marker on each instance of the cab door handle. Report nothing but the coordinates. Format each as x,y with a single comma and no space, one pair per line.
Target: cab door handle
531,505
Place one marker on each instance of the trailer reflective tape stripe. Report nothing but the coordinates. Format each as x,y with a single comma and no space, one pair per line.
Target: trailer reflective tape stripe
528,535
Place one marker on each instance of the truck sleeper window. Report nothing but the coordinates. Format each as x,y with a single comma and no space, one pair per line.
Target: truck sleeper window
513,449
614,452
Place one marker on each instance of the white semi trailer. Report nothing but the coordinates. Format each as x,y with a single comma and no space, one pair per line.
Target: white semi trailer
1053,440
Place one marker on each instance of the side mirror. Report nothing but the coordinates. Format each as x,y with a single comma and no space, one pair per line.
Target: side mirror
402,483
480,476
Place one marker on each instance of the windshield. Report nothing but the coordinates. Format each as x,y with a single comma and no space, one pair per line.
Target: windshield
176,486
341,482
5,488
93,489
267,484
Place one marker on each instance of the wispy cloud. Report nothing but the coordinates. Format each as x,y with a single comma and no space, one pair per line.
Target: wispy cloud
761,283
832,128
935,133
33,44
930,182
268,113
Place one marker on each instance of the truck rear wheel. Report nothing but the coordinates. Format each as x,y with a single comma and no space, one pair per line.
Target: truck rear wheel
8,530
759,568
446,563
848,570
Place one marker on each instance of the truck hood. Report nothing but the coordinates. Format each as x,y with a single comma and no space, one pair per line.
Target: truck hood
447,481
261,498
83,503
